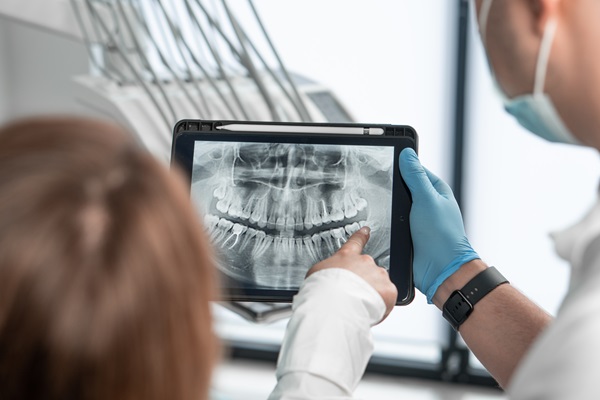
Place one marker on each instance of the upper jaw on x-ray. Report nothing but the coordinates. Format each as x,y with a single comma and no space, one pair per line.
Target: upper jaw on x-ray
274,210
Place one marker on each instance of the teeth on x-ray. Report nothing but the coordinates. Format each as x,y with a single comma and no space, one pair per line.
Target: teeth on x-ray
229,235
274,210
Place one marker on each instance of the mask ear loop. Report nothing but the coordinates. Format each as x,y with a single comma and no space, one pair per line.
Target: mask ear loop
542,62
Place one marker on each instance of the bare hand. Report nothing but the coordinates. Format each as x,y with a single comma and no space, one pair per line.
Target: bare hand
350,257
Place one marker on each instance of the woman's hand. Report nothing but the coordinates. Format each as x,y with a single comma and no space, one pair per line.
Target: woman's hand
350,257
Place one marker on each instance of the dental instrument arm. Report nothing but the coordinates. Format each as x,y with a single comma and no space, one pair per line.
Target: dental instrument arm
504,323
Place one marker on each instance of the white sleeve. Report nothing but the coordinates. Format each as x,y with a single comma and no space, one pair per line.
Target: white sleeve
328,340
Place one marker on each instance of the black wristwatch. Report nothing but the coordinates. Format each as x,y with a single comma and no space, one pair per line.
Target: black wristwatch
460,304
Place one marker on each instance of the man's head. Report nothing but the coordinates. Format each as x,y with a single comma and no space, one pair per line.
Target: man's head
513,37
105,273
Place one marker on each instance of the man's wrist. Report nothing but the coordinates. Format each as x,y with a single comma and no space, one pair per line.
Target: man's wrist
457,280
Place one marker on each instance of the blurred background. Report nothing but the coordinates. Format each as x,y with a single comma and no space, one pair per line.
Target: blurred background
148,63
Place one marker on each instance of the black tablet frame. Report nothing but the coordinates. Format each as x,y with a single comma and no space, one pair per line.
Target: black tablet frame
401,251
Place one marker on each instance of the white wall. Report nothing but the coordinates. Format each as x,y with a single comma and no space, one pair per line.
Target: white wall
37,67
389,61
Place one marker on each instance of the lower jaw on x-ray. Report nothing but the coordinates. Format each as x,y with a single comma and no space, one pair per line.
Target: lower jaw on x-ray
273,210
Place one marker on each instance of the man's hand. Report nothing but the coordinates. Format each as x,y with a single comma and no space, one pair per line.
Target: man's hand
350,257
440,244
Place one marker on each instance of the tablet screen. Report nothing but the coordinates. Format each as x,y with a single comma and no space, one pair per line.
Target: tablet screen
273,210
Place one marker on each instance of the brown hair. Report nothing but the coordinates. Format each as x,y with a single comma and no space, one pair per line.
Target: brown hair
105,272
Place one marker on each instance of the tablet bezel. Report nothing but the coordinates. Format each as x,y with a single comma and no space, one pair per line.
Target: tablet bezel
401,251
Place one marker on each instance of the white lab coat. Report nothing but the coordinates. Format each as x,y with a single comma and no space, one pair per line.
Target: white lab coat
564,361
328,341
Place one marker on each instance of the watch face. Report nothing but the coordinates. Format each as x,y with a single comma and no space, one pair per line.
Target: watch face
457,309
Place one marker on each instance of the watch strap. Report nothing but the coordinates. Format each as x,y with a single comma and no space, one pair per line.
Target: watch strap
483,283
460,304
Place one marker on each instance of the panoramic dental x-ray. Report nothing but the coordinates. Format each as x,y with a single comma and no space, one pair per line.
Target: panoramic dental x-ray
275,209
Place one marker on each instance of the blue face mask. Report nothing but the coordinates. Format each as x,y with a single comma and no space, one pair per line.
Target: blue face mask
534,111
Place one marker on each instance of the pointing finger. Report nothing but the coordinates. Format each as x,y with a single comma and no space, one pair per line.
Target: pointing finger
357,241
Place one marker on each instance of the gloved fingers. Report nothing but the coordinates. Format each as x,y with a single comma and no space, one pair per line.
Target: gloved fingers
414,174
356,243
439,185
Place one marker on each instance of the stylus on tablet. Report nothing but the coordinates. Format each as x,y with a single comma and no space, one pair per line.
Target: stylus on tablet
301,129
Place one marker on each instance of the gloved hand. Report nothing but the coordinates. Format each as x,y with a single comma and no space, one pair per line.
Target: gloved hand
439,240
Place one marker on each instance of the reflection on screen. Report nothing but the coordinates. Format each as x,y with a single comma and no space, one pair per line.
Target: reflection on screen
273,210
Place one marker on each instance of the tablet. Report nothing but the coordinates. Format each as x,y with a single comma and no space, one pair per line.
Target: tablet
276,198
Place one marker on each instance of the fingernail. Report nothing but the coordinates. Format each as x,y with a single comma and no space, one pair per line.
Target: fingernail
365,230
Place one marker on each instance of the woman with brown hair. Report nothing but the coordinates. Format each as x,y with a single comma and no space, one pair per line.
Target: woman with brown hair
105,272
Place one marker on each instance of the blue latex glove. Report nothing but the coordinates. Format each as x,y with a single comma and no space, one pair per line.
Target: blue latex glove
439,240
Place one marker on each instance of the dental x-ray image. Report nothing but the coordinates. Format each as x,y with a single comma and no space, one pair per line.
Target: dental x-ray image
273,210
